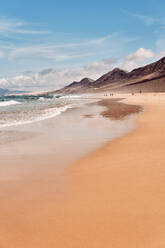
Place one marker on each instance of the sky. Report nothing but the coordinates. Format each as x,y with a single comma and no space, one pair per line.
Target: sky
46,45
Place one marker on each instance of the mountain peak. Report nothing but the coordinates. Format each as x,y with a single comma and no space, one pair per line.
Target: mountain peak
116,74
117,69
86,80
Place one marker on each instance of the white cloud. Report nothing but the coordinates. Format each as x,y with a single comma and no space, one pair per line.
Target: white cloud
100,67
61,52
42,52
148,20
34,52
139,58
50,78
11,26
141,54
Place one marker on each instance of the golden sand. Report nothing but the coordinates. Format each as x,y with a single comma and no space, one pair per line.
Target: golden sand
114,197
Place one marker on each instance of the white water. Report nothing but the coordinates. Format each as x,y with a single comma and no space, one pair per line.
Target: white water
27,111
8,103
72,96
46,114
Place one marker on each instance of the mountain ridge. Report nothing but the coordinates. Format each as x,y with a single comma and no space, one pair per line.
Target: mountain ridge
85,82
147,78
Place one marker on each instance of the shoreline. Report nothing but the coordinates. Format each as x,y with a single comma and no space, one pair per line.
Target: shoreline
116,194
113,197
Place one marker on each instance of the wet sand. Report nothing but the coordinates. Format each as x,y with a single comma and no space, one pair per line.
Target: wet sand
117,110
113,197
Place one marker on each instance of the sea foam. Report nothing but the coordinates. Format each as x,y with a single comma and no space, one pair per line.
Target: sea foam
8,103
46,114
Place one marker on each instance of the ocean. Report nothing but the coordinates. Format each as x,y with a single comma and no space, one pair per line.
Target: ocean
19,110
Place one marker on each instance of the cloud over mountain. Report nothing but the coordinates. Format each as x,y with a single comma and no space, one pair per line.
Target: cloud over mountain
50,78
137,59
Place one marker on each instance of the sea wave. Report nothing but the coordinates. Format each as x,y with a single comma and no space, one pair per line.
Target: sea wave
8,103
45,114
71,96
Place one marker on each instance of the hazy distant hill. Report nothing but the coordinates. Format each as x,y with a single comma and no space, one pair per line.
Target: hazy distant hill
9,92
149,78
3,91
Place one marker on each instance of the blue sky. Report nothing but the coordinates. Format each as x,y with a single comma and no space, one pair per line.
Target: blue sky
47,44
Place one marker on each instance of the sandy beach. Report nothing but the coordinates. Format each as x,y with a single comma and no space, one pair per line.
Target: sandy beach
113,197
82,124
116,195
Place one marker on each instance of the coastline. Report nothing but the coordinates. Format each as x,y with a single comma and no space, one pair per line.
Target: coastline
112,197
116,195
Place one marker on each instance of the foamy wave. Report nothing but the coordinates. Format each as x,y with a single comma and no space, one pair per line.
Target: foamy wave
46,114
8,103
71,96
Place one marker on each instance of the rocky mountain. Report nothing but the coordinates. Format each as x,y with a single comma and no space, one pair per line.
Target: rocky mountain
111,77
84,84
149,78
156,67
119,78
